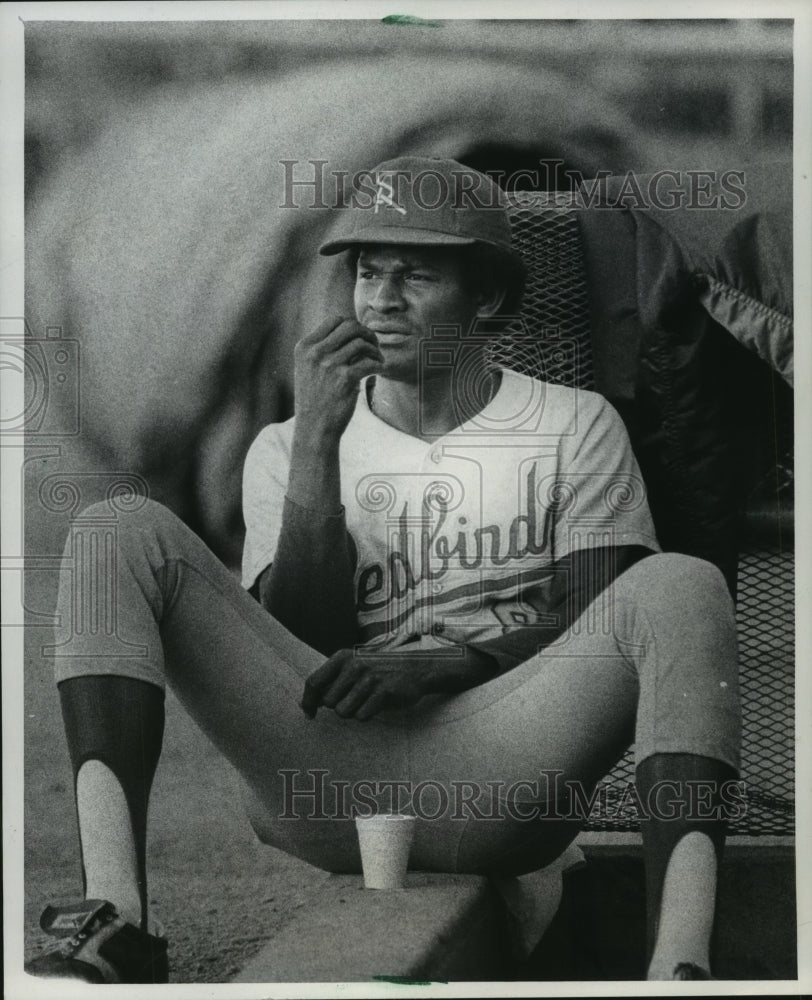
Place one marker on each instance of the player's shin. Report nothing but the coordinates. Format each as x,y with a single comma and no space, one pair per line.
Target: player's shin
683,838
114,730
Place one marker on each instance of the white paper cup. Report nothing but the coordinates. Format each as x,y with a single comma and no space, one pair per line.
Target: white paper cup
385,842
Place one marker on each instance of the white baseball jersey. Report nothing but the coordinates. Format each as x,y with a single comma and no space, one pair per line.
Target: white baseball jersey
455,536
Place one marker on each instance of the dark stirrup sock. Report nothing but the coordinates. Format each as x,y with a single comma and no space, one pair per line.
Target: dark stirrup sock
691,789
118,721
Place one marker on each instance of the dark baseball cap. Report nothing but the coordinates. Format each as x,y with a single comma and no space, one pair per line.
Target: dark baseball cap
426,201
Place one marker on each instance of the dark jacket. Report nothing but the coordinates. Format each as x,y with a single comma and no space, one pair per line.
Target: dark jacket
691,314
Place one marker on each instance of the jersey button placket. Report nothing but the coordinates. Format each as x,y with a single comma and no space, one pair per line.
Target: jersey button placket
435,628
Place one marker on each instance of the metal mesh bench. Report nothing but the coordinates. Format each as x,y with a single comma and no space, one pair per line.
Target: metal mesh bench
555,312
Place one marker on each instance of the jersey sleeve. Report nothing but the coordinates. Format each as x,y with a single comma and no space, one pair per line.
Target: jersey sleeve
264,484
598,495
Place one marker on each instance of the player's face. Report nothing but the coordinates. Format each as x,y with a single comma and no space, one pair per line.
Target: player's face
402,292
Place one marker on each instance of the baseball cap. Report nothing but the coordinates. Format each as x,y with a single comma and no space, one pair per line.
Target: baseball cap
426,201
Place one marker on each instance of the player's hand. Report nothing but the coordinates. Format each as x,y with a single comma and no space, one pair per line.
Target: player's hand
359,686
328,367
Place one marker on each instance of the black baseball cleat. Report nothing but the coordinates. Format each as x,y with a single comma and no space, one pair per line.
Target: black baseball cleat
98,946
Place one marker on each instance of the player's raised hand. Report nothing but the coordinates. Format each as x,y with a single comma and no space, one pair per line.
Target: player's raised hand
329,364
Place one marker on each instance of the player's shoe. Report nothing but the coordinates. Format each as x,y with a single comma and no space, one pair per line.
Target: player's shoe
687,970
98,946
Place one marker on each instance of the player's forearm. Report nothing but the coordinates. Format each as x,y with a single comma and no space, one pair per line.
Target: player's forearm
314,480
458,670
579,579
309,586
518,645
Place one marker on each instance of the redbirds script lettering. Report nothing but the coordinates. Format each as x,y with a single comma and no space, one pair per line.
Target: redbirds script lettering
469,549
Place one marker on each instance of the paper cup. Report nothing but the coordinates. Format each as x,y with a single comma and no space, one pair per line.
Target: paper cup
385,842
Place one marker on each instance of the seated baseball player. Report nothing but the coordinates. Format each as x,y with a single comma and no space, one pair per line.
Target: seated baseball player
451,582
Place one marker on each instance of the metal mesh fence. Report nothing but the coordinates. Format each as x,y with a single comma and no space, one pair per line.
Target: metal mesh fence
767,654
551,341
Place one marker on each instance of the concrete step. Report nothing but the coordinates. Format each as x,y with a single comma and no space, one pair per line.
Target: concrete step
443,928
439,928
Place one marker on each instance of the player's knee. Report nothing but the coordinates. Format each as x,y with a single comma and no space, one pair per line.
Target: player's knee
680,579
131,520
125,510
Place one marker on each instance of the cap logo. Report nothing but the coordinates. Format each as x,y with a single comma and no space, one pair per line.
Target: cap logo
384,194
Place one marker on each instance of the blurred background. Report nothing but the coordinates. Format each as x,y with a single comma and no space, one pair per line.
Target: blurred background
154,186
691,88
166,286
